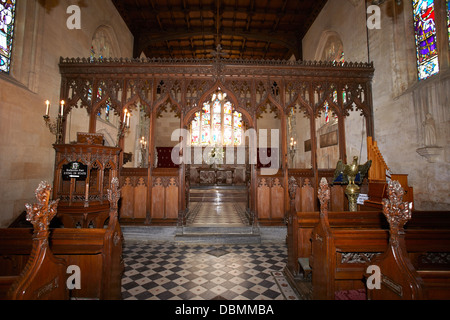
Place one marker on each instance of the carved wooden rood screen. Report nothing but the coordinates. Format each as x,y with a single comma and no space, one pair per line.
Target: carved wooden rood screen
155,195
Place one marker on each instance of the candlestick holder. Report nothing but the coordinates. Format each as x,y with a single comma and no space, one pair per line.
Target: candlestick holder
55,127
143,144
122,130
292,150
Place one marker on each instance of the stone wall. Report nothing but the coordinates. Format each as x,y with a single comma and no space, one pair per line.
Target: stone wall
42,37
401,102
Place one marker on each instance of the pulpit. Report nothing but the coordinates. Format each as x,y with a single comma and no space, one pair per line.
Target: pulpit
83,174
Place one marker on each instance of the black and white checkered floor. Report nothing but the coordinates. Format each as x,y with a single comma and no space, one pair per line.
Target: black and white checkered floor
170,271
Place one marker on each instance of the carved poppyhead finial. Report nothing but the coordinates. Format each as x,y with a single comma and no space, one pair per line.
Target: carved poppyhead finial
397,212
324,195
42,213
114,193
293,185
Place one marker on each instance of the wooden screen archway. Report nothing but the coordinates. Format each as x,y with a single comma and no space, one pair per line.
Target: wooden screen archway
188,82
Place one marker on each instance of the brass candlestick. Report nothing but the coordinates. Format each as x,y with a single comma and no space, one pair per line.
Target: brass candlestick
56,126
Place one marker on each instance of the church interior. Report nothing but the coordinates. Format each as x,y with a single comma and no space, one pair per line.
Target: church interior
225,150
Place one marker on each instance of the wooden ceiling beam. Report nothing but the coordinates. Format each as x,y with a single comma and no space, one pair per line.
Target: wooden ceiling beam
252,10
283,23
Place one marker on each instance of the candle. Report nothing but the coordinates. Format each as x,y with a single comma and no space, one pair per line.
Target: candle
48,107
128,120
125,115
62,108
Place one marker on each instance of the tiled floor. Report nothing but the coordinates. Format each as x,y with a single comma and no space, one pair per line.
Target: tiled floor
171,271
225,214
155,271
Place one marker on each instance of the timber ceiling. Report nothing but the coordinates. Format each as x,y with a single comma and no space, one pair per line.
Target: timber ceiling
245,29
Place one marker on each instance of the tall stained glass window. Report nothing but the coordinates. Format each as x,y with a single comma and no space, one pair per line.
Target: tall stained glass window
7,10
426,41
217,124
448,20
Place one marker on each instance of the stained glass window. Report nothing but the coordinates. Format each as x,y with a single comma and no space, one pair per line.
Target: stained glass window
7,10
426,41
448,20
217,124
329,114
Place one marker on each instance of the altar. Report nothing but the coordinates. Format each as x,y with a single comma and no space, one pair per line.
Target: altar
215,176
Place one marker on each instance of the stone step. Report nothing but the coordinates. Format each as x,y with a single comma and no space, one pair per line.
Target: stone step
175,234
217,199
218,238
219,235
192,230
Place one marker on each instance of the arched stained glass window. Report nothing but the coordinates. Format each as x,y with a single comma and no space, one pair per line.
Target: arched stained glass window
217,124
448,20
7,12
426,40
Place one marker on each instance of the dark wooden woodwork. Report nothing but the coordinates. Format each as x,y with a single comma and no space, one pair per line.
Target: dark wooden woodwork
378,184
245,29
96,251
399,279
341,254
251,85
43,276
84,204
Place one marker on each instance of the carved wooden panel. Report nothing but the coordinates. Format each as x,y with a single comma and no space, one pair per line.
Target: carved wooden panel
140,199
158,199
126,210
307,197
263,196
337,198
171,199
165,204
277,199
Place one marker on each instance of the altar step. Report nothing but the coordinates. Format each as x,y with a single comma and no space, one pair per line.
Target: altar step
218,194
219,235
204,236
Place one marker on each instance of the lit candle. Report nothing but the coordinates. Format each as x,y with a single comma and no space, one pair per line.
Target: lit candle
62,108
48,107
125,115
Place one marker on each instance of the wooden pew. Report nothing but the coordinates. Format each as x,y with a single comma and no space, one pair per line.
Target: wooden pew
97,253
340,255
44,275
398,278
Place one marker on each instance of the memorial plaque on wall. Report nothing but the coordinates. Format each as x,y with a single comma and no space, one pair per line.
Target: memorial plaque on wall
75,170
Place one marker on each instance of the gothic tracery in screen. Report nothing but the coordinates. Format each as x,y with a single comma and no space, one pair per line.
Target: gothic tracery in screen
426,41
7,10
217,124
